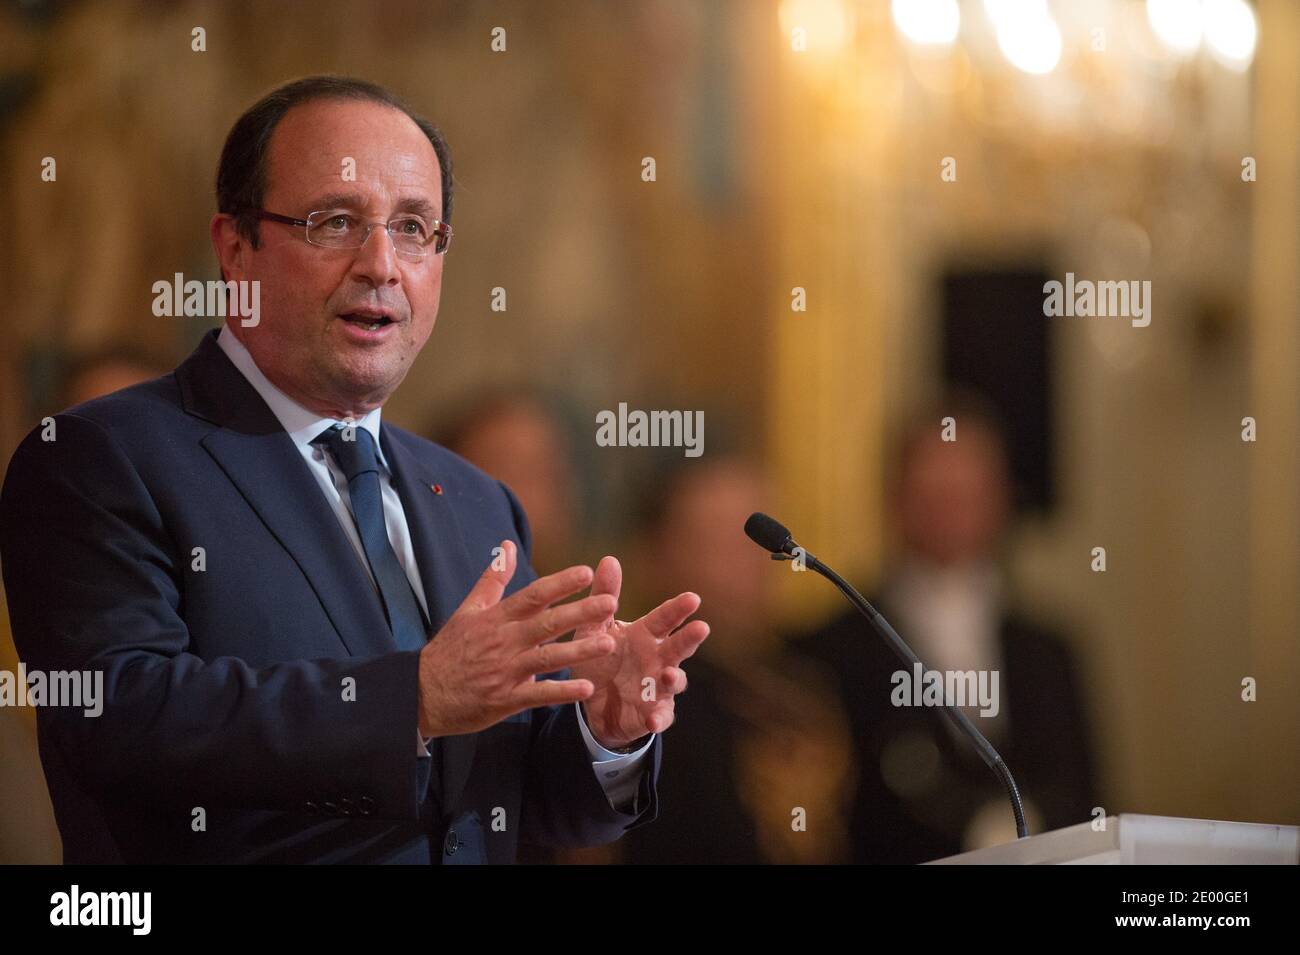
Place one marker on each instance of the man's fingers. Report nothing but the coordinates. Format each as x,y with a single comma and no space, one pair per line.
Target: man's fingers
660,719
669,615
556,621
492,584
683,643
673,680
609,577
545,591
553,692
550,657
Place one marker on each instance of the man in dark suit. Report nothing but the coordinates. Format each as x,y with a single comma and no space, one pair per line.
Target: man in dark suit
318,640
923,792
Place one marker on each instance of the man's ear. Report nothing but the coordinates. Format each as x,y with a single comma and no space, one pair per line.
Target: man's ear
232,249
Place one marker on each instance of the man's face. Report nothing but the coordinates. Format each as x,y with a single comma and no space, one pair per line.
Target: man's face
954,497
303,344
708,508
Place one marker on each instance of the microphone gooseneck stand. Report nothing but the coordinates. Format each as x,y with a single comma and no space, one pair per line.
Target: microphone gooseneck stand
772,536
991,757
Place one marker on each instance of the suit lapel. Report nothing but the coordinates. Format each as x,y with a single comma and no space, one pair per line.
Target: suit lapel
260,459
443,559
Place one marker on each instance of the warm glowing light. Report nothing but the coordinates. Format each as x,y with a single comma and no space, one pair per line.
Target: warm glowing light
927,21
1178,24
1231,31
1031,43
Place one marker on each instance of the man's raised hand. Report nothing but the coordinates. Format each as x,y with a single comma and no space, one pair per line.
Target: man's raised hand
635,685
480,667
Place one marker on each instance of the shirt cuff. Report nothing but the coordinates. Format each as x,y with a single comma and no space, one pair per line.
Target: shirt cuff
619,774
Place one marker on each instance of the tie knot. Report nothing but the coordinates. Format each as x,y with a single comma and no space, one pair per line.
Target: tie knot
353,448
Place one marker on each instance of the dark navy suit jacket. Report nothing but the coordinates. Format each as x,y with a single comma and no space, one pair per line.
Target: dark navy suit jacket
227,734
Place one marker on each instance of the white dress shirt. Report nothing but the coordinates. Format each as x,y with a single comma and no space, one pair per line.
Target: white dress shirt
618,774
953,618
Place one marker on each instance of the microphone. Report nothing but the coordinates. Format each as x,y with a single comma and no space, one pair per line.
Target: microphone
769,534
772,536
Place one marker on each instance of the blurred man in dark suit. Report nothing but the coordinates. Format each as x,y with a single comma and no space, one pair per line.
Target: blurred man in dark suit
760,756
923,792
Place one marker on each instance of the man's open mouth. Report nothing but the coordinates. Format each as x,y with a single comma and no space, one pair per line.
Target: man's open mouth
369,320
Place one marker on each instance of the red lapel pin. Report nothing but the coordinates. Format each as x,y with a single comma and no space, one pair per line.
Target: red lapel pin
436,488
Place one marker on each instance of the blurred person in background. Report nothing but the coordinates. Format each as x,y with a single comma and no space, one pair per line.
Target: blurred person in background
756,749
106,369
516,437
923,792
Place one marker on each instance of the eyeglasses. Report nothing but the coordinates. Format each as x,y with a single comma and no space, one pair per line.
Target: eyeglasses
339,229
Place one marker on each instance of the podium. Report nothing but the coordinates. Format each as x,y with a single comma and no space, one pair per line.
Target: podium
1131,839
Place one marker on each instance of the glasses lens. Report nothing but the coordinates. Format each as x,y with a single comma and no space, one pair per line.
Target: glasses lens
336,230
410,235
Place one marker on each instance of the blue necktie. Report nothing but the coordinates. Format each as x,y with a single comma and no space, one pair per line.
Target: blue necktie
354,451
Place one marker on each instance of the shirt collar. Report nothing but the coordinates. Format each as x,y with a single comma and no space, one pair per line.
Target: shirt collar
301,424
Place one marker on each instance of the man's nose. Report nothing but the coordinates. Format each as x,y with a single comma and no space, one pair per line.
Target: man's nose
376,260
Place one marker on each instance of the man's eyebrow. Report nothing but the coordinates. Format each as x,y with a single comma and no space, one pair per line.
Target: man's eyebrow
421,207
354,200
339,200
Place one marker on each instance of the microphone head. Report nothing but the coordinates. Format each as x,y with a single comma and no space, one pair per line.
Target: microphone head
768,533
